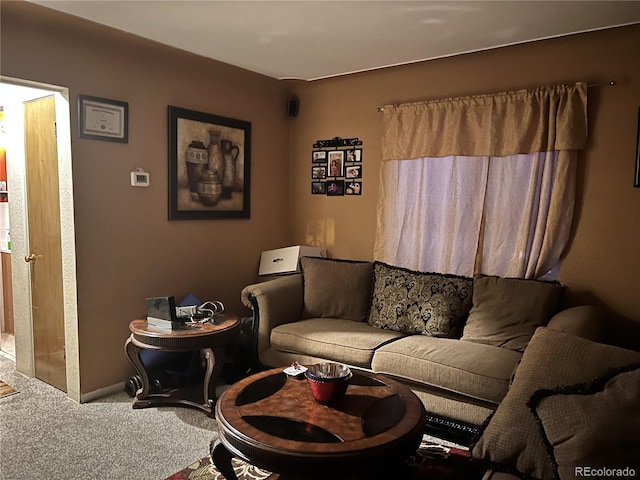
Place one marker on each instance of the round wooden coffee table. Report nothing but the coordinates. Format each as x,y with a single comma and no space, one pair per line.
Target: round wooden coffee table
272,421
209,338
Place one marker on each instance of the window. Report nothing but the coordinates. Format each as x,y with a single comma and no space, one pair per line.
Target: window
475,203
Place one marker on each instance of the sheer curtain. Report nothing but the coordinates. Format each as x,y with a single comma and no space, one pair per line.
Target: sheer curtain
481,184
430,217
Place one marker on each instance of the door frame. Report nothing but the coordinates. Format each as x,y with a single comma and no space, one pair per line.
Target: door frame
18,204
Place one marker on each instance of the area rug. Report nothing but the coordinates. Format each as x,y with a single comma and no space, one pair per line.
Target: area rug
434,460
6,389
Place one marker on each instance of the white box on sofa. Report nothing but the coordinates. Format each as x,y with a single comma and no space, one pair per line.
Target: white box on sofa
286,260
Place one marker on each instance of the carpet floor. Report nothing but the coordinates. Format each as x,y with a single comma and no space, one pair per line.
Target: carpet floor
46,435
435,460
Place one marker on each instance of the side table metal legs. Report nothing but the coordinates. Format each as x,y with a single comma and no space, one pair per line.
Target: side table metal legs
213,367
133,354
199,396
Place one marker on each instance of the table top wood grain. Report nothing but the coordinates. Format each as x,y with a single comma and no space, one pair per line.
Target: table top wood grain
272,421
187,337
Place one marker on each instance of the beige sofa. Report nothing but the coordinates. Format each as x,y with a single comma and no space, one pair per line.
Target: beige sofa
457,355
488,351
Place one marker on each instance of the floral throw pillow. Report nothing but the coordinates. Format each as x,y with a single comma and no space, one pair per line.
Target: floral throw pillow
412,302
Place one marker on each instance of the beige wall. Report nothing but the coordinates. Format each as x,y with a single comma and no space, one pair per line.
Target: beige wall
127,250
603,261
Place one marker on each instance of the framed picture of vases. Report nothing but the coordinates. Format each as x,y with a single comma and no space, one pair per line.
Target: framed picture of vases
209,166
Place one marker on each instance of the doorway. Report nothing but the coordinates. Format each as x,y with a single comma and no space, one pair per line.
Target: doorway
14,93
7,331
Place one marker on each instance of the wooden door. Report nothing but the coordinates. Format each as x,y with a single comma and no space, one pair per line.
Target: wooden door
43,206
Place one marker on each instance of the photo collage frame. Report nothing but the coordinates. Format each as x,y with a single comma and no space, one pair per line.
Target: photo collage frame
336,167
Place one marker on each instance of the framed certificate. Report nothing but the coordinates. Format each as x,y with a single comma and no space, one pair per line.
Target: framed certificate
103,119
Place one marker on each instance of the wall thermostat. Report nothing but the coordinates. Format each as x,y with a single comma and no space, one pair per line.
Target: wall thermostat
139,178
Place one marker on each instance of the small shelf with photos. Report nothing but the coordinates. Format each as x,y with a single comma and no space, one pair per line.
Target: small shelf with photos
336,167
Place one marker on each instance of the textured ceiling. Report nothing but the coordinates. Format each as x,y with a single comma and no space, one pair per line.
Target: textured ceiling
317,39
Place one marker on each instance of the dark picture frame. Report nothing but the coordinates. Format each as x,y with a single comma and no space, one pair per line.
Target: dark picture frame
335,188
636,182
319,156
336,163
354,155
318,188
209,166
339,162
353,171
353,188
103,119
319,172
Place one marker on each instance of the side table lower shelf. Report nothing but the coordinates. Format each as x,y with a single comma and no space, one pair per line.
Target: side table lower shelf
191,396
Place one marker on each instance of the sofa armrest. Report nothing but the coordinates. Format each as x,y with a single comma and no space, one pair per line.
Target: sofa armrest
584,321
273,303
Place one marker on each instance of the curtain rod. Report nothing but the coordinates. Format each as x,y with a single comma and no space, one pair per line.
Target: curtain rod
589,85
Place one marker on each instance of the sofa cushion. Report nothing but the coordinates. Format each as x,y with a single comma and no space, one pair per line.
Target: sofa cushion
472,369
419,303
336,288
506,311
511,438
592,425
332,338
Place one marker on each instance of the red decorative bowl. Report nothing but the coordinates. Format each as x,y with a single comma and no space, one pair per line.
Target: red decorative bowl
328,381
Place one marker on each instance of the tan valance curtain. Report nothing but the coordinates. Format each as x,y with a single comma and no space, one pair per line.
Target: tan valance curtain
544,119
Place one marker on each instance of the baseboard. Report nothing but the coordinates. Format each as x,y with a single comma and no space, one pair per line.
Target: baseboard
101,392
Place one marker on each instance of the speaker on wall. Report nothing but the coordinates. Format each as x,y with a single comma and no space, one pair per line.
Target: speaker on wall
292,107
